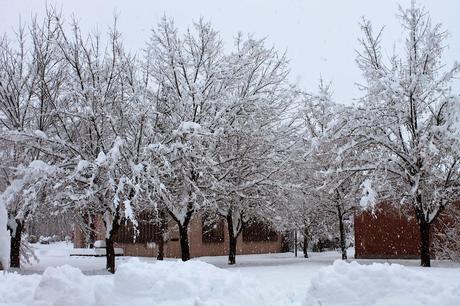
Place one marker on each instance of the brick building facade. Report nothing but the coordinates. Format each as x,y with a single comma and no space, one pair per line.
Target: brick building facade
389,232
204,239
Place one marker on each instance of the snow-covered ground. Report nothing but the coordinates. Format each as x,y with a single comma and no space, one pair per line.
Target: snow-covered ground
267,279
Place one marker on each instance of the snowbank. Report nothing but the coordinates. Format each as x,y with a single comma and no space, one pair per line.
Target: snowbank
180,283
195,283
60,286
136,283
68,286
380,284
16,289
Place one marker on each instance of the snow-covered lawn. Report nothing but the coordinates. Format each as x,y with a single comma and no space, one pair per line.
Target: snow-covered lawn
268,279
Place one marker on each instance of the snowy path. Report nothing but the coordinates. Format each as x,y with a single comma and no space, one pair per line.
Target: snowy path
57,254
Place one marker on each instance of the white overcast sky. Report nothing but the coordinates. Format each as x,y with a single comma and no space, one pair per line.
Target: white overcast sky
320,36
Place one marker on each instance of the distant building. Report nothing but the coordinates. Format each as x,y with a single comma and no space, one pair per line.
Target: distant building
204,239
389,232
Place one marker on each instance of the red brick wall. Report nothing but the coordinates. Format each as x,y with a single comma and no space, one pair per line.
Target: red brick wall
389,233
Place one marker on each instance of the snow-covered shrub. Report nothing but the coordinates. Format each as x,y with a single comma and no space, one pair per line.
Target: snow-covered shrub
44,240
32,238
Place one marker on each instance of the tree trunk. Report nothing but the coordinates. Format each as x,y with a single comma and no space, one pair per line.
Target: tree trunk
15,255
425,260
343,244
109,245
184,246
295,243
110,255
232,250
183,231
232,240
161,249
183,227
305,242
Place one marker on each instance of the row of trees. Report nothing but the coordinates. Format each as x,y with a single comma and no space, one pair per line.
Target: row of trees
399,144
185,127
181,128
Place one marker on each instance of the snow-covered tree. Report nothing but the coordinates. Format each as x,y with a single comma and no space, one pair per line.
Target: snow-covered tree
409,119
334,173
83,120
187,71
250,137
101,128
297,207
30,78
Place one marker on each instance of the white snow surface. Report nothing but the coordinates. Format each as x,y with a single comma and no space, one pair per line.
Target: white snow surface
181,283
382,284
188,127
135,283
40,134
256,280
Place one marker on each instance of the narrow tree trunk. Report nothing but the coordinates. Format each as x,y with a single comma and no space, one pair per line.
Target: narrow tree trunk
424,243
183,227
183,231
232,240
161,249
295,243
109,245
343,244
305,242
15,253
232,250
110,255
184,246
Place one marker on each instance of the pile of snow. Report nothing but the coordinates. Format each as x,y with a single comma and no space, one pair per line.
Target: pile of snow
195,283
16,289
135,283
64,285
180,283
379,284
68,286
